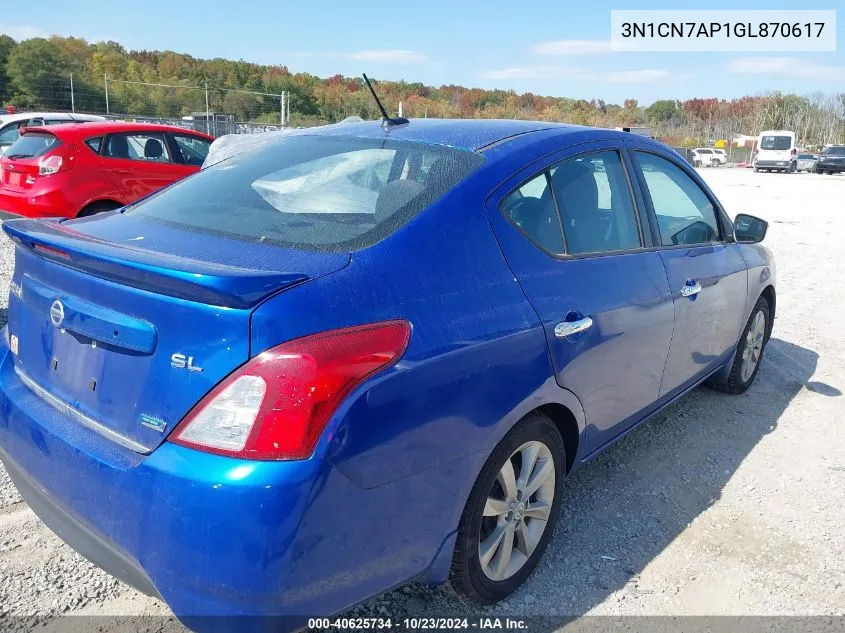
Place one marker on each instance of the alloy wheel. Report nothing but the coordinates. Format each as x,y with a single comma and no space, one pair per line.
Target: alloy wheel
753,346
517,510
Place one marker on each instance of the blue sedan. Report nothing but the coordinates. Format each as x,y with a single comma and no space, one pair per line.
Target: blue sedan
364,354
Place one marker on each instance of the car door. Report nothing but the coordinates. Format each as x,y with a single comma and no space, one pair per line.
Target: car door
706,271
139,163
570,231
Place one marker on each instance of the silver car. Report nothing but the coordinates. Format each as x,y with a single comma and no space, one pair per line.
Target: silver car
806,162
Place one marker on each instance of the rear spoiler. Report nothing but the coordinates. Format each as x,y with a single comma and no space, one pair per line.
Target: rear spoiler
162,273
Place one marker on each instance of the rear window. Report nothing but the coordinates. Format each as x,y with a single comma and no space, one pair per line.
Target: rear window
839,150
776,142
32,146
805,156
312,192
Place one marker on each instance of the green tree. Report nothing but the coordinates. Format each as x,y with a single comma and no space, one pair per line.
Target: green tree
6,46
662,110
38,74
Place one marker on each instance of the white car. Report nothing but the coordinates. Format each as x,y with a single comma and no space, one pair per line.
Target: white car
722,155
707,157
10,124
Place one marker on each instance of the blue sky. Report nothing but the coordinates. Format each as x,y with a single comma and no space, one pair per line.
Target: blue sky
551,48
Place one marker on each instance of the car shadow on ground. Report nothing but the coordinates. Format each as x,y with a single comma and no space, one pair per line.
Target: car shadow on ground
628,504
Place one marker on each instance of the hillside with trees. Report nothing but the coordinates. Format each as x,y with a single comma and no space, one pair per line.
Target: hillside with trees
36,74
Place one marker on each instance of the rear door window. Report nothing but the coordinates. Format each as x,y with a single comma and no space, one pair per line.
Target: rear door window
779,143
596,207
145,147
32,145
313,192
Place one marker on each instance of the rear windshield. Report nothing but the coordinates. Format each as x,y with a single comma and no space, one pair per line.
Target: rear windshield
312,192
32,146
776,142
805,156
838,150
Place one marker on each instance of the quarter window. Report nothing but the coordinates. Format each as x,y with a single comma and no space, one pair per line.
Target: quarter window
94,143
685,214
530,208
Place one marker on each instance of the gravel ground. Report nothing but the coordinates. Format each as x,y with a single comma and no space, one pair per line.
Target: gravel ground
720,506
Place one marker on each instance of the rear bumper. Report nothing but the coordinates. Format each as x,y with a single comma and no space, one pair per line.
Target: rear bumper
837,167
208,534
773,164
35,204
75,533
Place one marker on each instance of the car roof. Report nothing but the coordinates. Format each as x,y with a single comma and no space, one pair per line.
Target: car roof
470,134
110,127
71,116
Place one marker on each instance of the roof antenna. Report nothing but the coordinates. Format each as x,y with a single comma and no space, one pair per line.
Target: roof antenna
386,121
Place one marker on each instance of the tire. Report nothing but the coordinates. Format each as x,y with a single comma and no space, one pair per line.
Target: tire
754,337
468,576
756,170
97,207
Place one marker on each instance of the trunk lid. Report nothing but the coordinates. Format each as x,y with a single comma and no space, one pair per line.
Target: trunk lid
127,338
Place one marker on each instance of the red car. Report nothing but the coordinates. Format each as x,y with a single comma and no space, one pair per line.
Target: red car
76,170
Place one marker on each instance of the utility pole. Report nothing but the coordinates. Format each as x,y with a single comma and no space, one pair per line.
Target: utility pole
72,104
282,117
287,116
207,113
106,83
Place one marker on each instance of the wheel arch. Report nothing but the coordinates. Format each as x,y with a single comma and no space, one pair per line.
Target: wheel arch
97,201
771,297
567,425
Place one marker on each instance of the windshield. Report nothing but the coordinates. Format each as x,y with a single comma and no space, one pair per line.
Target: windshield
32,146
312,192
838,150
776,142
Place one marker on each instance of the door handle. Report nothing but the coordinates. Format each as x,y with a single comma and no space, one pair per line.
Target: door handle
568,328
691,289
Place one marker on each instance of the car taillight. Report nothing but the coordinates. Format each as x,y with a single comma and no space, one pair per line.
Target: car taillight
277,405
59,160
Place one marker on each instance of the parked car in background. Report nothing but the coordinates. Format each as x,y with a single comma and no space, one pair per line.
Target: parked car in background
707,157
721,155
81,169
806,162
776,151
10,124
831,160
285,384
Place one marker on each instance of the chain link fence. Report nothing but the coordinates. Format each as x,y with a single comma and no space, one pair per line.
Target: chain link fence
215,111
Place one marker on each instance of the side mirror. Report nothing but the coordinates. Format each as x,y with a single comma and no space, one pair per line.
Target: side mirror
749,230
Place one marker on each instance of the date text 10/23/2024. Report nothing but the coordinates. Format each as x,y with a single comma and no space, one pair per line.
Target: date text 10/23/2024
419,623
